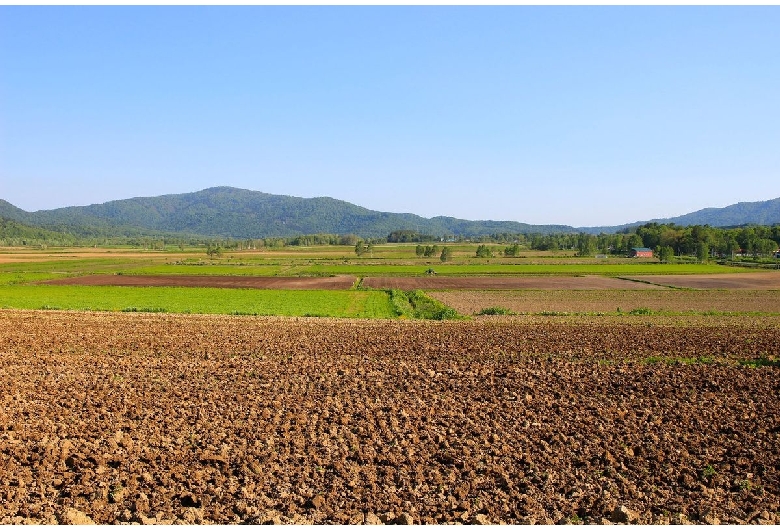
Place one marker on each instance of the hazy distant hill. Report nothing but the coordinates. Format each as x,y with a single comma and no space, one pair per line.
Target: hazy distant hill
743,213
760,213
237,213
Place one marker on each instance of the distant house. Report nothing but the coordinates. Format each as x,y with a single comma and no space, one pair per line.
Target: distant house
640,252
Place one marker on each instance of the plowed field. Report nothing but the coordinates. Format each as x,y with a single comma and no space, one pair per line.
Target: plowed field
164,418
755,280
535,301
246,282
486,282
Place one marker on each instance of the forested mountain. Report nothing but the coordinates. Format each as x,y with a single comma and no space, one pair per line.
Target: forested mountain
242,214
16,233
765,213
757,213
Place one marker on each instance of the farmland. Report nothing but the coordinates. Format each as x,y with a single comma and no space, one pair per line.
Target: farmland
534,301
120,279
357,304
620,394
159,418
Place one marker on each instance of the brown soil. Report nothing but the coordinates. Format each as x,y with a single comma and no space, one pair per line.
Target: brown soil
754,280
246,282
534,301
172,418
525,282
77,254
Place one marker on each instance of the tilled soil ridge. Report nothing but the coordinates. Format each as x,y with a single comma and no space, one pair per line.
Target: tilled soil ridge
170,418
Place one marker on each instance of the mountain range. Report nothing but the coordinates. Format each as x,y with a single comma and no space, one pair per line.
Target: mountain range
743,213
243,214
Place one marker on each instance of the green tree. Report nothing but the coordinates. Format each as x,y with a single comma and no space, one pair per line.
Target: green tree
419,250
213,250
702,251
430,251
349,239
766,247
361,247
634,241
446,254
664,253
586,245
483,251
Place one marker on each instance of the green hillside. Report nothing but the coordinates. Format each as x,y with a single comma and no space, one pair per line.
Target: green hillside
236,213
759,213
764,213
15,233
225,212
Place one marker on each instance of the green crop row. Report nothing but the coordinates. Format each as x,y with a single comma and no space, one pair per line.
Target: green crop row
416,304
352,304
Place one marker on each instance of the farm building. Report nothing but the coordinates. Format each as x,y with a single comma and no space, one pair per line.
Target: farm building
641,252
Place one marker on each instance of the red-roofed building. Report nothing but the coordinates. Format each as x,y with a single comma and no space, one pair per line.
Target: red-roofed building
640,252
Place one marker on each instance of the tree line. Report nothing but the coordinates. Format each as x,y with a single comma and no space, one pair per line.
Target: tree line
666,240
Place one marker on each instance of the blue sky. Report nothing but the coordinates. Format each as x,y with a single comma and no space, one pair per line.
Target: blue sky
569,115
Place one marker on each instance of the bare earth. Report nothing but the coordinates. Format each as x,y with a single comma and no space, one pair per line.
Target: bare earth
755,280
535,301
115,417
245,282
525,282
19,257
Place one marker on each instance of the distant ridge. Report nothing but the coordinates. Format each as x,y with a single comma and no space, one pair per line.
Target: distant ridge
245,214
742,213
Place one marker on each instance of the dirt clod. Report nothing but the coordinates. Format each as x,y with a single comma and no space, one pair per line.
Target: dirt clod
480,519
623,515
317,502
71,516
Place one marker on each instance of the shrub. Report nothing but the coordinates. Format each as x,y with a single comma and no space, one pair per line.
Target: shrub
416,304
496,311
641,311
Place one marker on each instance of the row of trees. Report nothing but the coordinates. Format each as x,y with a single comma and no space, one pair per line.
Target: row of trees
753,241
668,239
409,236
426,251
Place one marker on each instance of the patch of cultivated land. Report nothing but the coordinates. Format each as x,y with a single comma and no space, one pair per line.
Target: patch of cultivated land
754,280
536,301
164,418
246,282
524,282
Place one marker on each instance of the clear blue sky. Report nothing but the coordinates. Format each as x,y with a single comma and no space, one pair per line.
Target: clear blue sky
569,115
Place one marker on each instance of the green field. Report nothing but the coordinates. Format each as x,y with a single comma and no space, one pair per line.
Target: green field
350,304
22,269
